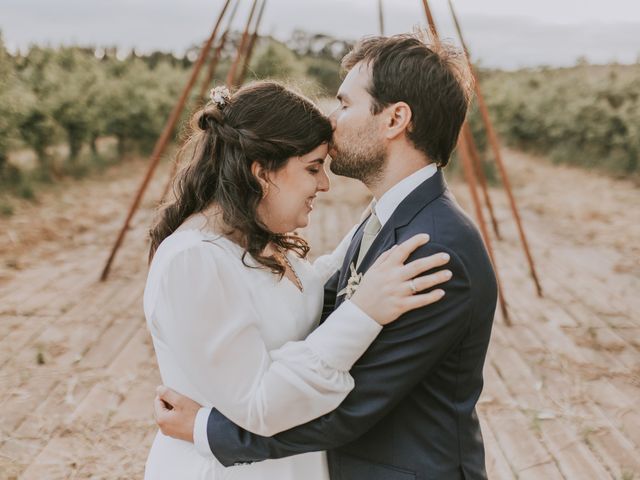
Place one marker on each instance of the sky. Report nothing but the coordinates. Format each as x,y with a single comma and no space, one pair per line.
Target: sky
500,33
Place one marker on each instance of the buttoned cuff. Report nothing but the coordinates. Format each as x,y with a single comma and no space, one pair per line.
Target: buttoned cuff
200,439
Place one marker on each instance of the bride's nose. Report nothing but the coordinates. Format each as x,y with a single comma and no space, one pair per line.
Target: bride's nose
323,182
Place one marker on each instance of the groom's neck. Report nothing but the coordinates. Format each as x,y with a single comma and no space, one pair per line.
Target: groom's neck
400,164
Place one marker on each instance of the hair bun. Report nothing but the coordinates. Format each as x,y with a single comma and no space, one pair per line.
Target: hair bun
210,118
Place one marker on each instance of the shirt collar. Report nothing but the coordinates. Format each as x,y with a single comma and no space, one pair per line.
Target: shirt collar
387,204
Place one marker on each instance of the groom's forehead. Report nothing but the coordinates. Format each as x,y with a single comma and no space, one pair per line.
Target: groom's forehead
356,81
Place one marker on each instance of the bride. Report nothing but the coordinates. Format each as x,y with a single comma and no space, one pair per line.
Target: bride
231,302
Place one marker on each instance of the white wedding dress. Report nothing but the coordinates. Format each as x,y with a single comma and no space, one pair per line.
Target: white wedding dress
231,337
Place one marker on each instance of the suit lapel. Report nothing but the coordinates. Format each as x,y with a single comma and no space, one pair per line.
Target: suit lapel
421,196
350,257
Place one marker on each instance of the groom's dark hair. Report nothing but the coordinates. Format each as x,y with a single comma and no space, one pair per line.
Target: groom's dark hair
431,76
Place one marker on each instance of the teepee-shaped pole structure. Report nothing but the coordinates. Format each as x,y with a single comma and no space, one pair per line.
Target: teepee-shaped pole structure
232,76
466,133
163,141
204,87
495,147
479,170
213,64
207,83
251,45
470,177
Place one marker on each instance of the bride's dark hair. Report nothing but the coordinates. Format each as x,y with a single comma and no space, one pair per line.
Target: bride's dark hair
263,122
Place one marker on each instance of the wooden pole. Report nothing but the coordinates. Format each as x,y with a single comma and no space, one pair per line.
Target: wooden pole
251,46
430,21
467,135
203,90
213,65
467,167
495,147
162,142
471,182
380,17
233,71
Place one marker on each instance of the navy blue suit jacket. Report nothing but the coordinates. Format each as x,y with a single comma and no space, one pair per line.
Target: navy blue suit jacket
412,412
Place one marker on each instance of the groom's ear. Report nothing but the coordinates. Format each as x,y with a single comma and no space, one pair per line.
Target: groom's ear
398,119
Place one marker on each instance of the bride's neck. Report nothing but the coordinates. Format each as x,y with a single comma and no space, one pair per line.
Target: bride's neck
211,220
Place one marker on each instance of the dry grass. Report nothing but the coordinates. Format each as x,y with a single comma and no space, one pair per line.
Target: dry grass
78,370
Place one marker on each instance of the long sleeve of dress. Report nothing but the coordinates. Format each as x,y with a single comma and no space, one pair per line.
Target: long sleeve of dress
209,326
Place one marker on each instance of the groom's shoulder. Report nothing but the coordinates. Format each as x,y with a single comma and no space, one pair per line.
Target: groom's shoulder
444,220
450,230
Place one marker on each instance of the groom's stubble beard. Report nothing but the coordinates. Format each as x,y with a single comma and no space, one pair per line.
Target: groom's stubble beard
361,157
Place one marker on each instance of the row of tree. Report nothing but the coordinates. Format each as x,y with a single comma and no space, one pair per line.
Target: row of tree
76,95
69,96
586,115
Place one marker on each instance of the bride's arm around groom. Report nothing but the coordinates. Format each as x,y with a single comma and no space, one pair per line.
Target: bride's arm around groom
221,352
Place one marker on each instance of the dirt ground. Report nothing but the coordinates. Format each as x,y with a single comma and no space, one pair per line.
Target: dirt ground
562,388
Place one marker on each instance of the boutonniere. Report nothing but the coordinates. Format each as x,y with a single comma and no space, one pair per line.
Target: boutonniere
352,284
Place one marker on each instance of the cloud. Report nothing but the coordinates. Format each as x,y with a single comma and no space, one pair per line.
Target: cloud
497,41
517,42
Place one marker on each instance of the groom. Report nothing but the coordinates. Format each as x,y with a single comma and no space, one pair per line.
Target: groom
412,411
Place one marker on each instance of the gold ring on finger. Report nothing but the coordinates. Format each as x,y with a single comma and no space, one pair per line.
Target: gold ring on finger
412,284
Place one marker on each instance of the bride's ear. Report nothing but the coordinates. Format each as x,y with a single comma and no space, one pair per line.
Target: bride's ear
262,175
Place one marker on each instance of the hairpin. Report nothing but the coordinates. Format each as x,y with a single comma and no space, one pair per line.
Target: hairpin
220,96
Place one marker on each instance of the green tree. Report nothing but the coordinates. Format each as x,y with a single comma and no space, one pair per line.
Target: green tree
76,76
326,72
135,105
36,76
7,107
275,61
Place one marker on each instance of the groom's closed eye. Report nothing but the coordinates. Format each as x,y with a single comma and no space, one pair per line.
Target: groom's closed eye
343,99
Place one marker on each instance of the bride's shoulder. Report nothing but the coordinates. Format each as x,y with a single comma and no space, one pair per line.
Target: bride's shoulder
186,260
193,248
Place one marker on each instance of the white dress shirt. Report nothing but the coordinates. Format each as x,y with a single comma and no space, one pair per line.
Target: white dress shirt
387,204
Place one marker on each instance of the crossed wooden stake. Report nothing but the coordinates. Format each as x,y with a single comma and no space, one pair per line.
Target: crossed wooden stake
471,161
167,132
472,166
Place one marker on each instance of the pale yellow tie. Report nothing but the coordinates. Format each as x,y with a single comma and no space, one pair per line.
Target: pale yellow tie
371,229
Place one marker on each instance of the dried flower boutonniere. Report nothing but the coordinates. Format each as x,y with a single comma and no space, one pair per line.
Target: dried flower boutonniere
352,284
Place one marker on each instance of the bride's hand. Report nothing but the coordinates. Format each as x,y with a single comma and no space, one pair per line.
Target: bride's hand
388,289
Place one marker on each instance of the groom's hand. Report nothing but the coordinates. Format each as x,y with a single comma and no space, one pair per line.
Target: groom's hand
175,414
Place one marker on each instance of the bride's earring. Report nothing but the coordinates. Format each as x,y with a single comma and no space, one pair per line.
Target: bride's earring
265,190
